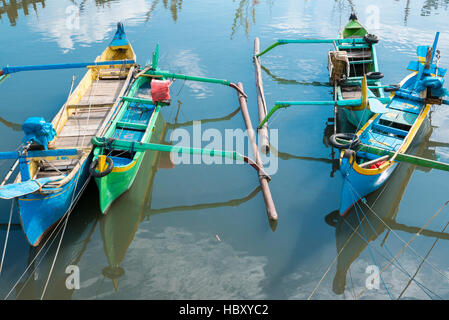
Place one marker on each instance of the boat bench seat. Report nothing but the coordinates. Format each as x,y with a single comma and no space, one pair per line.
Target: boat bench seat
360,54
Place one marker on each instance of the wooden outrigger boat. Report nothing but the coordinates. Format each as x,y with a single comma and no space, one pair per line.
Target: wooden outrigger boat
362,69
353,73
388,135
54,163
120,150
361,226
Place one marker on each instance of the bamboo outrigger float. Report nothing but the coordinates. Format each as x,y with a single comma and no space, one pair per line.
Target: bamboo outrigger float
55,159
120,150
353,73
392,131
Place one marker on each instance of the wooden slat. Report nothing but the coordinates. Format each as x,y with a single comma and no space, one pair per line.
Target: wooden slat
102,92
72,142
61,165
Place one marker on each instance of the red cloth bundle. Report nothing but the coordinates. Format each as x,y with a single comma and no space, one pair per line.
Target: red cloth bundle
160,90
377,165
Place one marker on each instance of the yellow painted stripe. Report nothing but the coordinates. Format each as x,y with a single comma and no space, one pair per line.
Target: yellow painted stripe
126,168
402,149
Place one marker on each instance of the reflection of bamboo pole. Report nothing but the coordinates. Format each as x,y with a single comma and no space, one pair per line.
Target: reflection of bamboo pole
263,131
263,179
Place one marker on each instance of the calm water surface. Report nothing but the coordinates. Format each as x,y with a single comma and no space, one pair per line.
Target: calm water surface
159,241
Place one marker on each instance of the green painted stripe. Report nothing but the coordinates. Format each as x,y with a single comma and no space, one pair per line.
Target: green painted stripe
361,62
128,125
356,46
138,100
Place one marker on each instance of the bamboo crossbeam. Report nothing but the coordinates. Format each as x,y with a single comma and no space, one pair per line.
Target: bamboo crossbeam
310,41
9,70
401,157
153,73
339,103
261,102
142,147
263,179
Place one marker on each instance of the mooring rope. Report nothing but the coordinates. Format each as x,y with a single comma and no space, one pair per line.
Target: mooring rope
369,249
35,257
422,262
62,234
7,236
399,266
330,265
407,244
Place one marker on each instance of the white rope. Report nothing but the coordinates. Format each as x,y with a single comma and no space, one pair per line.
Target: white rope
407,244
35,257
62,234
7,236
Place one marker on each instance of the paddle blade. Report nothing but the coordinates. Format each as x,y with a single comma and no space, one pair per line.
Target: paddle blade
15,190
376,106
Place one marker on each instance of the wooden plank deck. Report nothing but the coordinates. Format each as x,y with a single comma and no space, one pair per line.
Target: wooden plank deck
81,127
102,92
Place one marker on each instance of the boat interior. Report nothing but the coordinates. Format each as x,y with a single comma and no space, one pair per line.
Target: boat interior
87,111
132,123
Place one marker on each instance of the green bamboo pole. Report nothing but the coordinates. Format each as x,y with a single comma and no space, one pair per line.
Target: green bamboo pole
309,41
142,147
401,157
340,103
186,77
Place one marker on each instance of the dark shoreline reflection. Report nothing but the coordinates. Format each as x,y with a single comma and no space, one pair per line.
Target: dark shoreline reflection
12,8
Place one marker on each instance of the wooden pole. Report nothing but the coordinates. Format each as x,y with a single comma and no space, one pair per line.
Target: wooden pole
261,102
263,179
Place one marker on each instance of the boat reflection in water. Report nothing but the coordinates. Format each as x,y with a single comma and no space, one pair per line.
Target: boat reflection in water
80,229
120,224
383,204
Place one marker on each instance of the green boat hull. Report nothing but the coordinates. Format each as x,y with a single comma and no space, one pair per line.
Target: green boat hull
126,126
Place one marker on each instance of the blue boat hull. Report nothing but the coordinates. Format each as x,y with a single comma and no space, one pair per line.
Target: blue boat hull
357,186
39,213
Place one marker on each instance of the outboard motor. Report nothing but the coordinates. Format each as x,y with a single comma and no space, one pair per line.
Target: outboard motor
38,131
